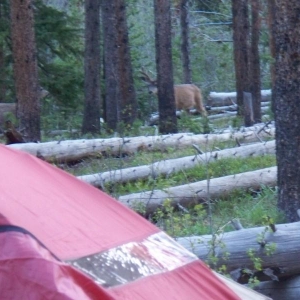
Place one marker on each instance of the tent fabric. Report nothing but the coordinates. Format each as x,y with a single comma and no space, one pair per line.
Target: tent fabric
29,271
193,281
156,254
74,220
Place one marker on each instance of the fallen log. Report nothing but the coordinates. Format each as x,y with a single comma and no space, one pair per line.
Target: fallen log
201,191
174,165
222,114
228,114
282,289
221,99
234,107
220,109
255,128
277,252
74,150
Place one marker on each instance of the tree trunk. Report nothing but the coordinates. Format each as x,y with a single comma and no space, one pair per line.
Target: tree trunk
167,167
286,29
2,60
120,97
201,191
248,109
270,21
128,102
185,43
74,150
163,46
25,68
241,49
255,60
91,116
112,89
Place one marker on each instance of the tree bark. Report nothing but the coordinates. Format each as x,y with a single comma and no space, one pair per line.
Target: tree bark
112,88
25,68
270,22
74,150
286,29
240,21
167,167
164,67
255,84
120,97
185,42
201,191
128,102
91,116
3,87
282,263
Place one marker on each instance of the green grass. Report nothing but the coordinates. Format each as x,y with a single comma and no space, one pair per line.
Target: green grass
251,209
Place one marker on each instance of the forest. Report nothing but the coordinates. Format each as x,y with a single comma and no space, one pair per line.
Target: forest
186,111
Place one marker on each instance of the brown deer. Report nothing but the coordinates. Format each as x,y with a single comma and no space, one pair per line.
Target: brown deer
187,96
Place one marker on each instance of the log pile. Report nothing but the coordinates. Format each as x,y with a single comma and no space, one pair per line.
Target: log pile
231,249
276,247
167,167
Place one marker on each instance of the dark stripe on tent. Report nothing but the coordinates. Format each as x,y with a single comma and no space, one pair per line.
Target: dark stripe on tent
13,228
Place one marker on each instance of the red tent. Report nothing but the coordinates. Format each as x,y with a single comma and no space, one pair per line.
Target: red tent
61,238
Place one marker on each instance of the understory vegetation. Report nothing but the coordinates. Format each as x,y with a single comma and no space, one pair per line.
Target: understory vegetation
250,206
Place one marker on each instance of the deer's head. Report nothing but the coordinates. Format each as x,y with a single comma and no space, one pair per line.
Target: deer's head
151,83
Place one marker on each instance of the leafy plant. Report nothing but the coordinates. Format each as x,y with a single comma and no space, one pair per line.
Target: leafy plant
187,123
179,221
